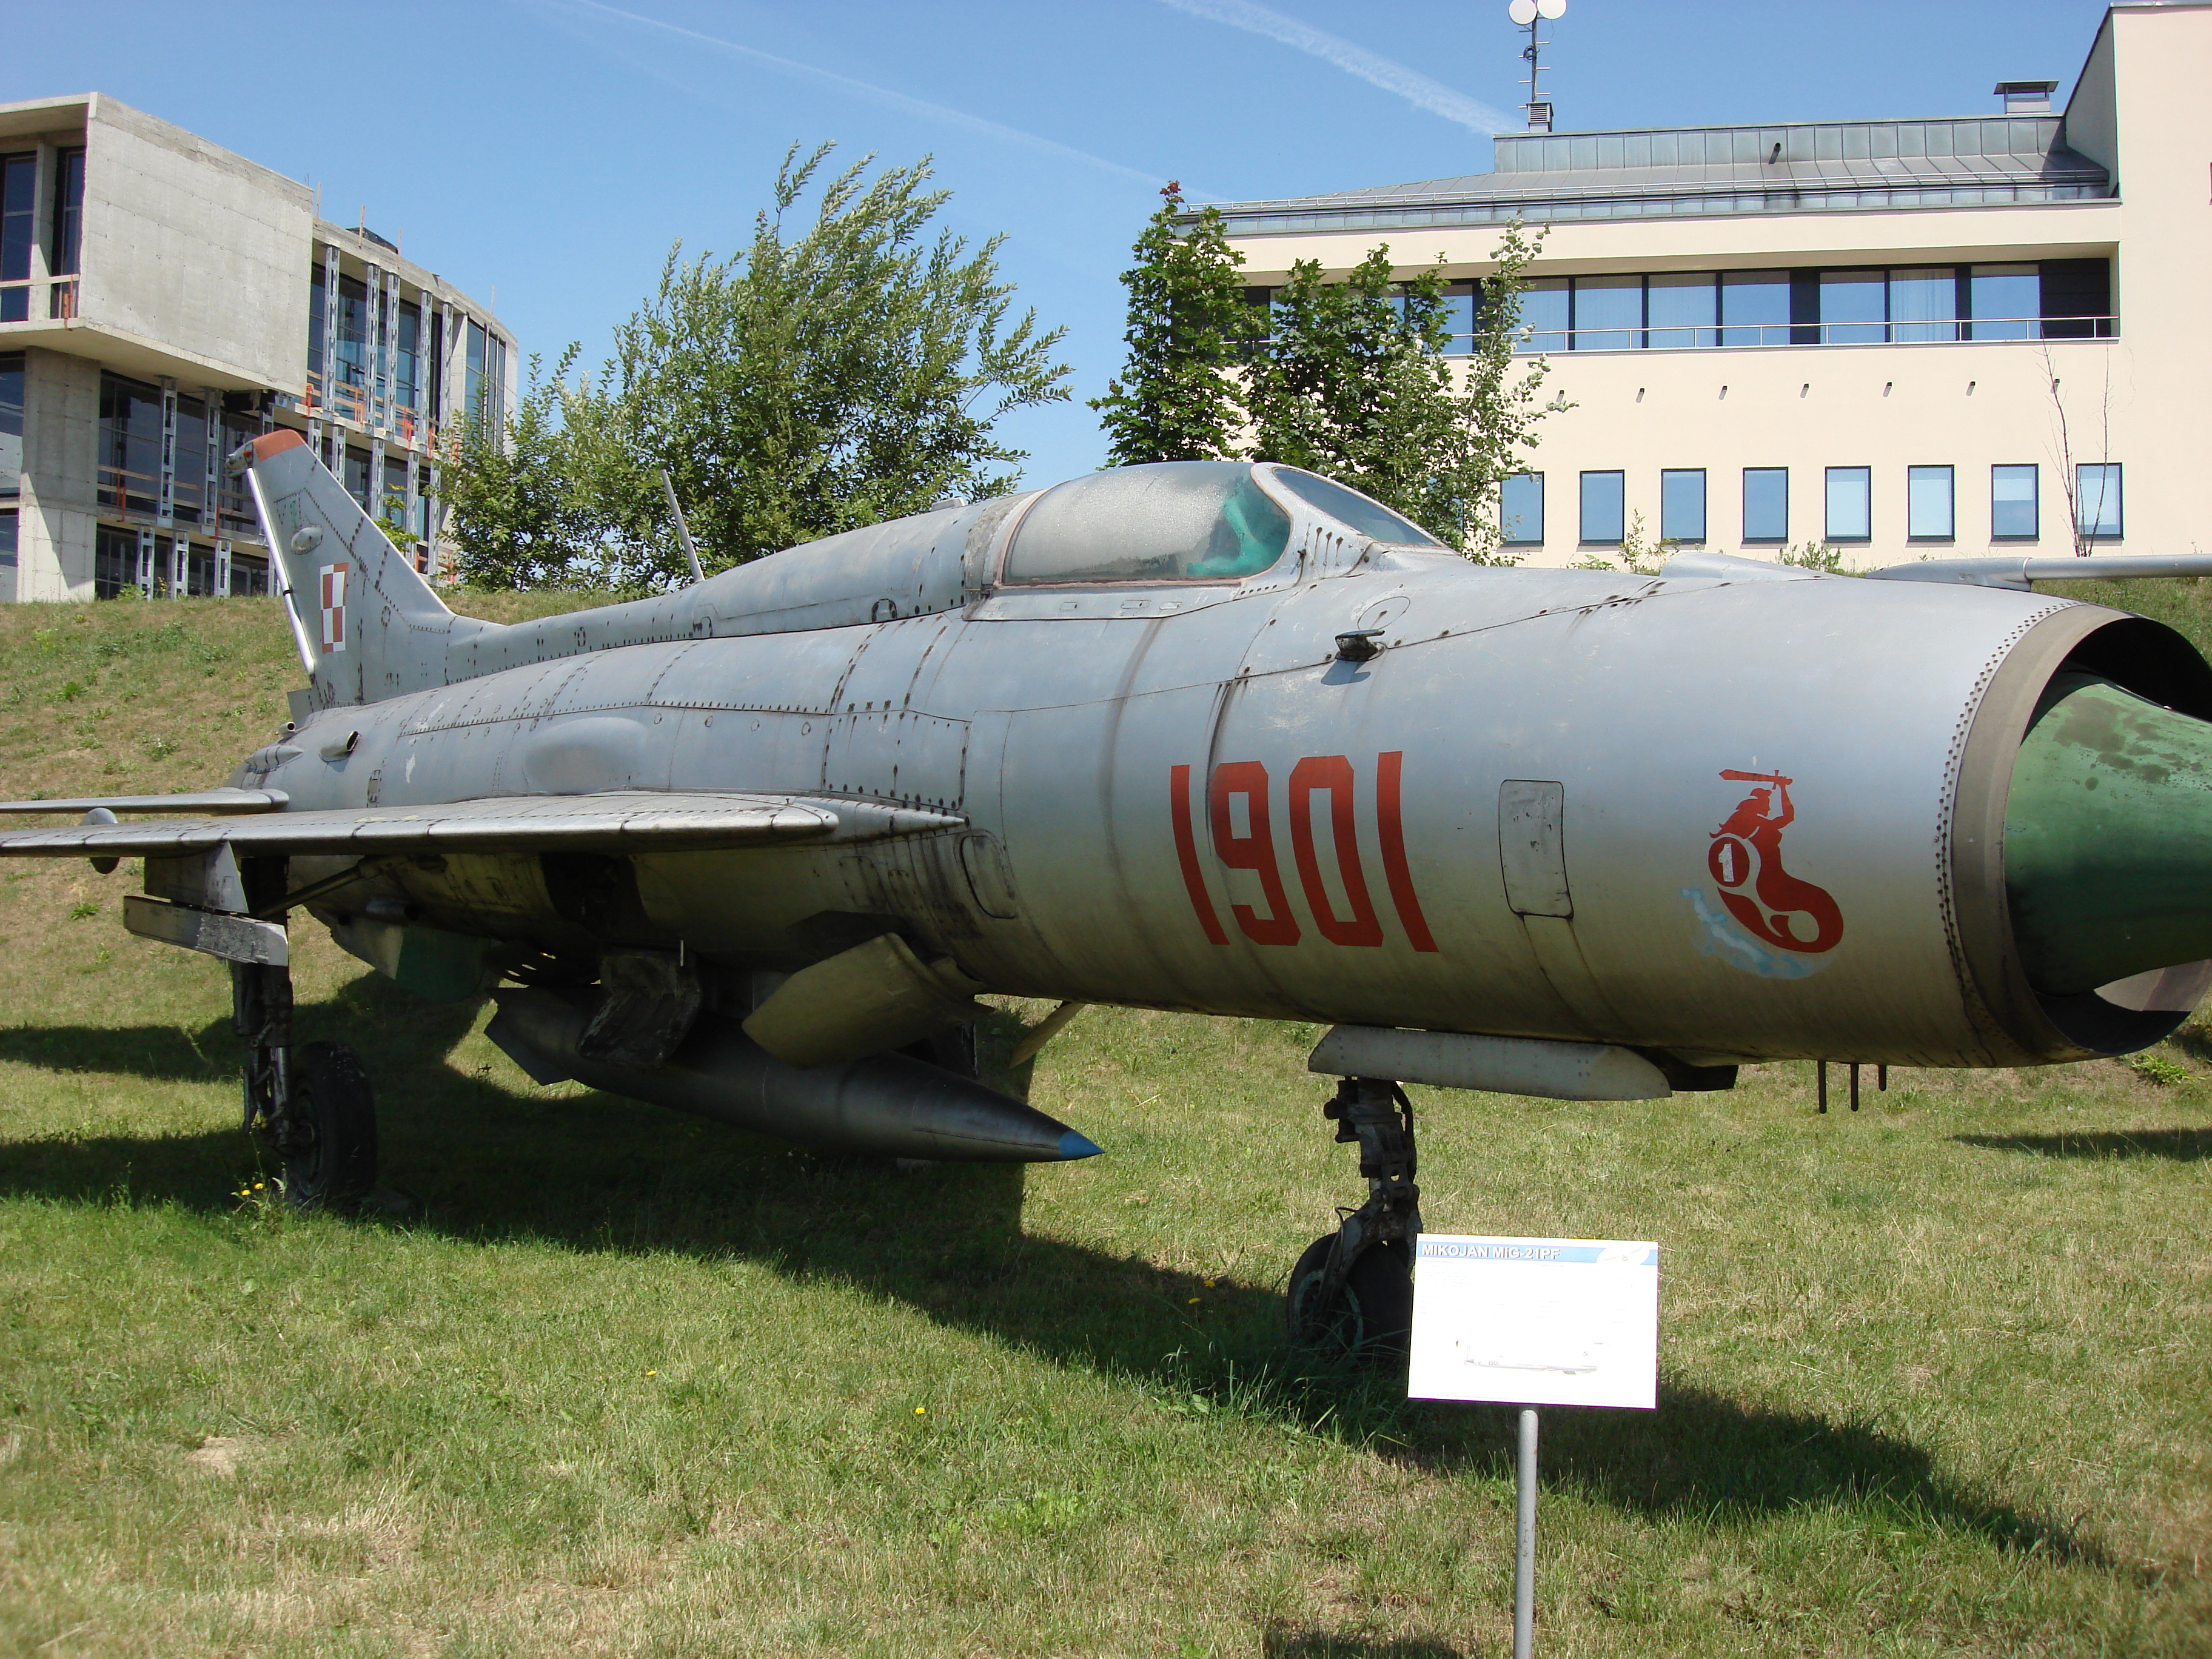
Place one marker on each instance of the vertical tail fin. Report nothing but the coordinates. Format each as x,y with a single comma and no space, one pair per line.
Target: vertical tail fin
366,624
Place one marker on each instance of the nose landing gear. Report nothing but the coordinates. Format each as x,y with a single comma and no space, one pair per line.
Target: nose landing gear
1352,1294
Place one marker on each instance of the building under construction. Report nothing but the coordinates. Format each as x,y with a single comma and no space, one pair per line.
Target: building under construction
161,301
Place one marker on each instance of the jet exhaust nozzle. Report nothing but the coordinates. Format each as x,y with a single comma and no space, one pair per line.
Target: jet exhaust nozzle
2108,838
888,1105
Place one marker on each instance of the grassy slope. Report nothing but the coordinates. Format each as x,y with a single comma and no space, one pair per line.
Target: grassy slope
1936,1376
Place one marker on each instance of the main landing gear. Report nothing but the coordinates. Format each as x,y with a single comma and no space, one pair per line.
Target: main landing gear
1351,1294
312,1101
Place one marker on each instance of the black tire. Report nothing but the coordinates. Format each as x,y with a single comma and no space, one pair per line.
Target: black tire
330,1162
1372,1319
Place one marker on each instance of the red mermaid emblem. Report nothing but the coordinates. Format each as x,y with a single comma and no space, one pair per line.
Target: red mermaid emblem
1746,860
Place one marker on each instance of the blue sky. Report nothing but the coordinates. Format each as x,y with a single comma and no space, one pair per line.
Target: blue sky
548,152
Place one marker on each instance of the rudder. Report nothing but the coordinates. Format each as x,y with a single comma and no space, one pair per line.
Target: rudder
366,624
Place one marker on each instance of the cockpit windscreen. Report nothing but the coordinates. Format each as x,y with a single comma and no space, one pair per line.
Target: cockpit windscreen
1170,521
1350,507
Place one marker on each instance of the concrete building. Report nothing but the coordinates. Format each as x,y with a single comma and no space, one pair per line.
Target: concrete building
161,301
1893,339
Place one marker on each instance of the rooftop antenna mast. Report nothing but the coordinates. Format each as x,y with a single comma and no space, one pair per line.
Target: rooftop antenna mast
1528,14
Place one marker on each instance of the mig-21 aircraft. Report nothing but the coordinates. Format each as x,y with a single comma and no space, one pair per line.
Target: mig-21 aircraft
1218,737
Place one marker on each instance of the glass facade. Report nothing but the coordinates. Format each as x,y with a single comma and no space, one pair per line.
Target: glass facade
68,212
129,477
1930,513
1521,510
11,423
19,191
114,562
1766,504
2097,502
1850,504
8,523
1604,519
2014,511
2004,302
1682,505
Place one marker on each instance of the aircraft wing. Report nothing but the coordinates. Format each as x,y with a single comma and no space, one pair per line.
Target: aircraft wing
632,822
204,803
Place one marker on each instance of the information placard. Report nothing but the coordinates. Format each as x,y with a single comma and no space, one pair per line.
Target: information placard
1535,1322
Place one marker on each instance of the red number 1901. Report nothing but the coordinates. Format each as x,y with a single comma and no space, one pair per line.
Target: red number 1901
1255,850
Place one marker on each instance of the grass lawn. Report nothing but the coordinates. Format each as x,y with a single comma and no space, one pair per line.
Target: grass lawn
1937,1378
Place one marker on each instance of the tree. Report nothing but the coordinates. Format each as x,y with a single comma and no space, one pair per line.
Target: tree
1355,384
519,517
803,387
1187,314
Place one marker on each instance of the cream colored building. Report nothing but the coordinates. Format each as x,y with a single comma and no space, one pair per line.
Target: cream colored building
161,301
1898,338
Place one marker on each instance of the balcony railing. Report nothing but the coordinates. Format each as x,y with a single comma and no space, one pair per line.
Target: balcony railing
1708,336
16,299
351,402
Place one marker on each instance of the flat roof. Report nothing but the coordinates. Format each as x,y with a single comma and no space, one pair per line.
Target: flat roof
1662,172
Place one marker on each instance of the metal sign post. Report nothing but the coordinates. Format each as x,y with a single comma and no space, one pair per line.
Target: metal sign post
1530,1323
1524,1540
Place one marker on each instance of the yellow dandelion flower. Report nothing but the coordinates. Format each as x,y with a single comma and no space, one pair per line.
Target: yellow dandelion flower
1193,1302
920,1411
652,1373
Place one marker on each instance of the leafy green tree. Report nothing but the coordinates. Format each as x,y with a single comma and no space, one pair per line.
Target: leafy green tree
519,517
1187,314
808,385
1355,384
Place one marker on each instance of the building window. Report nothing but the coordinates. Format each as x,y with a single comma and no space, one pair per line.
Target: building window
1604,499
248,576
1766,503
130,471
1521,510
1854,307
409,356
1682,310
1460,302
1850,504
114,562
356,464
68,232
8,523
1682,505
19,191
1547,312
1755,307
353,333
2003,302
1924,305
68,212
1930,511
2014,511
2097,502
11,423
1608,313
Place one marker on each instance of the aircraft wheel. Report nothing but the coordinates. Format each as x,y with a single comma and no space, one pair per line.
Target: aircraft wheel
329,1141
1371,1320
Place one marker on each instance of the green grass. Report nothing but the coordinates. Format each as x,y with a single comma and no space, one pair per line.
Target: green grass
1937,1378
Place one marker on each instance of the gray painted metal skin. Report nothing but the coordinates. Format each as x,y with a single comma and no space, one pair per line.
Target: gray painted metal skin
1085,793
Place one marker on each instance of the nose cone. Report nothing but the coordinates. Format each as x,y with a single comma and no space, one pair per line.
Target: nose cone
2108,838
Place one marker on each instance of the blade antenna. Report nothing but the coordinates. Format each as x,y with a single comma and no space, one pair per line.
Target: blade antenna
690,552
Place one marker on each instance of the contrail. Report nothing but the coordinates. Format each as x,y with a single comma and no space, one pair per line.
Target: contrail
864,90
1411,85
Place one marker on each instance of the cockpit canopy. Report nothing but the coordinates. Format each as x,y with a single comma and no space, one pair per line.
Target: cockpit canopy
1174,521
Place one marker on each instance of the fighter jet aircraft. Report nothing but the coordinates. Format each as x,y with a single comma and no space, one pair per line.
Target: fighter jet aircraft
1211,735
